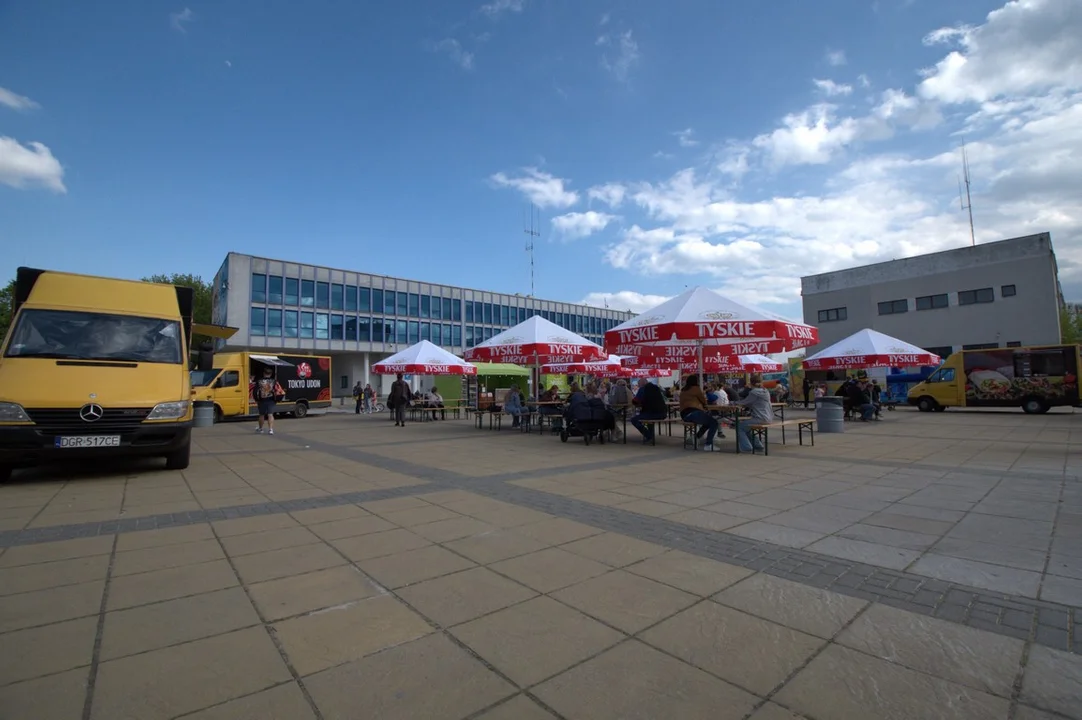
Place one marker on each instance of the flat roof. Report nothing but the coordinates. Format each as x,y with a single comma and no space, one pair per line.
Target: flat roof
944,261
617,311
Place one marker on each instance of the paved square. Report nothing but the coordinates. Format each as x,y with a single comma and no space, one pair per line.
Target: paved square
926,566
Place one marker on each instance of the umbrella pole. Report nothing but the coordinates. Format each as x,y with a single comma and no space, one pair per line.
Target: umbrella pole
700,363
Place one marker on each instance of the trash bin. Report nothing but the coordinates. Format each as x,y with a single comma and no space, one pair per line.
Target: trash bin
830,414
204,413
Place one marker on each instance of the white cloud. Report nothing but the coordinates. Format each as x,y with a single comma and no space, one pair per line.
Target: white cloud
23,166
623,300
576,225
15,101
864,81
621,54
498,7
179,20
832,89
1024,47
836,58
612,194
686,137
453,49
541,188
1012,84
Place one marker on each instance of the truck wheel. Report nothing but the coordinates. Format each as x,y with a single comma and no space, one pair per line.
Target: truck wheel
179,459
1034,406
300,410
927,404
217,414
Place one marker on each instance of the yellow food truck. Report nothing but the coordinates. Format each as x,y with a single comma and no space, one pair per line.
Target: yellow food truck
95,367
303,382
1032,378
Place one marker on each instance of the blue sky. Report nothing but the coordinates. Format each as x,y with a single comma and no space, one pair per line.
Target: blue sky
670,144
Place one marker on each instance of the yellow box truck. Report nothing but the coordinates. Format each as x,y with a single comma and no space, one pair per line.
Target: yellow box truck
95,367
1032,378
303,382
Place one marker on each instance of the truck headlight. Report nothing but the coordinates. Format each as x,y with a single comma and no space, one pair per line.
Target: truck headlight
169,411
13,412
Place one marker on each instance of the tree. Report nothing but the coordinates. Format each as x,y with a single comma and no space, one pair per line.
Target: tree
7,302
203,309
1070,327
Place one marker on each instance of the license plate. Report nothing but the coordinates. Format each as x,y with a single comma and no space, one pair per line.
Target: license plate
88,441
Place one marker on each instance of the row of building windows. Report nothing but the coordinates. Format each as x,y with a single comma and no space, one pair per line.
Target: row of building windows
925,302
292,292
273,322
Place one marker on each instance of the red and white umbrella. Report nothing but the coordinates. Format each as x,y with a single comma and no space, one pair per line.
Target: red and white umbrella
597,367
718,364
640,373
536,341
424,358
701,318
867,349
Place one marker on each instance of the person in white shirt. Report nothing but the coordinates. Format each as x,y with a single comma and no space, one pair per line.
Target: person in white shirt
434,400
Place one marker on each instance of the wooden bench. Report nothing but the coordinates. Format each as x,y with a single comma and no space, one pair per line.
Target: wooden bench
762,431
691,434
495,417
653,425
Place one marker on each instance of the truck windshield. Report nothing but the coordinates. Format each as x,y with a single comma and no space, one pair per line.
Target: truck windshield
95,336
202,378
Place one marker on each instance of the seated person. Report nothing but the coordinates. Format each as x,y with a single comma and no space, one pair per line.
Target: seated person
551,395
758,402
693,409
711,394
434,400
513,406
860,400
652,406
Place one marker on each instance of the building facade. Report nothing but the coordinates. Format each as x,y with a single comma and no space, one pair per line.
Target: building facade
998,294
360,318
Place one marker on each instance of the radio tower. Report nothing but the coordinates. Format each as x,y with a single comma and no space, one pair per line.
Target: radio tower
966,202
533,231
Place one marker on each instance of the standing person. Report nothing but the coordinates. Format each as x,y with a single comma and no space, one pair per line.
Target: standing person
369,398
652,406
758,402
264,398
399,399
806,385
358,396
693,409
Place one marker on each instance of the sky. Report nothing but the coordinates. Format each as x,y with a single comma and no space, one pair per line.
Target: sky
737,146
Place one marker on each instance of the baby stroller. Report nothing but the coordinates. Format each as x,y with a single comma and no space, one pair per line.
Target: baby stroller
587,420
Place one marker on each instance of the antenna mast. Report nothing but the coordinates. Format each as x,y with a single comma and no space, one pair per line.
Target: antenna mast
533,231
967,202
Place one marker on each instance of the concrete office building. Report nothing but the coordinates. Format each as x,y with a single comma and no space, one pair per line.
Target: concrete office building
360,318
998,294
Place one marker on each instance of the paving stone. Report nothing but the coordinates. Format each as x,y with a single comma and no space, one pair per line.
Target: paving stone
983,551
337,635
690,573
191,676
1062,590
614,549
939,648
810,610
49,649
777,534
59,696
743,510
635,682
905,539
463,596
879,689
283,702
551,569
443,531
169,583
426,678
893,518
519,707
1033,534
536,639
261,567
707,520
710,636
53,551
770,711
1053,681
157,558
626,601
243,526
394,571
495,545
978,574
1025,712
865,552
654,508
43,576
317,516
150,627
289,596
42,607
351,527
379,544
267,540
